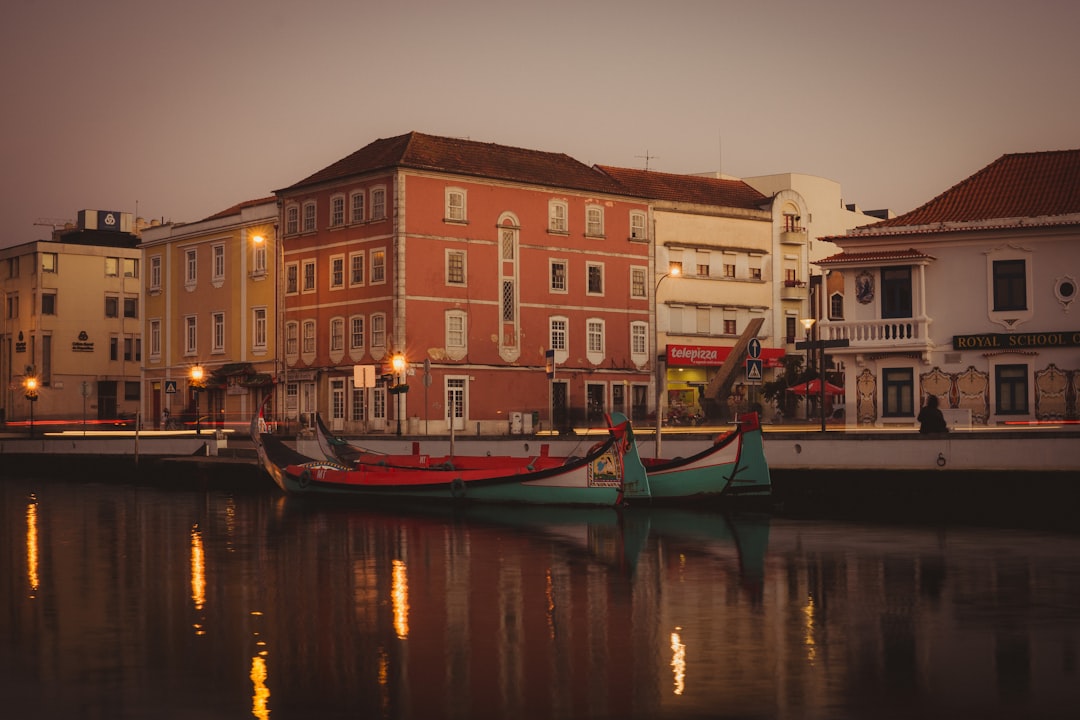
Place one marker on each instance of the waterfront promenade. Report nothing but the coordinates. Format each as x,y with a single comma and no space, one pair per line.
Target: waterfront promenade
789,446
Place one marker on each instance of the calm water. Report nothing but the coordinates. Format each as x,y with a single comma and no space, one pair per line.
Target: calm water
122,601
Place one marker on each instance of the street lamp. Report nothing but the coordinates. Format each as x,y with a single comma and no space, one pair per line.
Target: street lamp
808,325
31,386
674,270
196,385
399,365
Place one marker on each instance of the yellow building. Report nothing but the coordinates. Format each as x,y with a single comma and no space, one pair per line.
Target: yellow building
71,321
211,310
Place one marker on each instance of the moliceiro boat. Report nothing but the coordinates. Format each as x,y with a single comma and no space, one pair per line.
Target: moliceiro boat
732,466
610,474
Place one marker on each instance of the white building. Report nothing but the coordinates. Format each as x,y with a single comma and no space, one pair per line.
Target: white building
969,298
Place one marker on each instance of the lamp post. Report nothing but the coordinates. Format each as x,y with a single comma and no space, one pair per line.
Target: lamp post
31,385
808,325
261,257
399,365
812,347
196,385
661,366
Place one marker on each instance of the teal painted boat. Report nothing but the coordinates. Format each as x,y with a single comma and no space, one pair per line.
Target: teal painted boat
733,466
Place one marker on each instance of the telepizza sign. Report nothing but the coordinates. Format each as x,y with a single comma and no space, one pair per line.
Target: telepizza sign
710,356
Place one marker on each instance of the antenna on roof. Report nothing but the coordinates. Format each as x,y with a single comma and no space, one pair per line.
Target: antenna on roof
647,157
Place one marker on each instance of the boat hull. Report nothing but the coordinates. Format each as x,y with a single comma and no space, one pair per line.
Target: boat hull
734,466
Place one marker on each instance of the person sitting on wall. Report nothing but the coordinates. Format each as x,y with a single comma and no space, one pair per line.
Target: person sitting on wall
930,418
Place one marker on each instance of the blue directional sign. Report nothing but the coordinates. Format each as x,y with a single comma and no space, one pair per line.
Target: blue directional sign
753,369
754,348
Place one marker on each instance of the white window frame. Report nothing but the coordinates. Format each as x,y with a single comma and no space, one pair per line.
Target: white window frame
292,219
356,263
552,285
455,205
191,268
337,210
559,337
594,221
357,333
377,273
292,276
217,332
356,207
259,339
308,218
154,284
336,277
258,258
639,342
589,267
307,275
639,229
377,332
217,263
292,339
453,253
378,203
309,336
337,335
639,282
557,216
155,339
457,334
594,340
191,335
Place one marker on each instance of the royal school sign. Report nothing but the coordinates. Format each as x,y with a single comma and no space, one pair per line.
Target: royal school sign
1016,341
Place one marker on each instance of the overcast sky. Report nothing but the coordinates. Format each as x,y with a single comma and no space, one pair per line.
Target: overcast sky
179,110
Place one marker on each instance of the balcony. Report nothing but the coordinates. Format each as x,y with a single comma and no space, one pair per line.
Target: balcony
793,290
889,334
793,236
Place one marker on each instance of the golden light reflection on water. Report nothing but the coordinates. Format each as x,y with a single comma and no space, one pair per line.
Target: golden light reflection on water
198,573
261,693
808,635
678,661
399,593
32,546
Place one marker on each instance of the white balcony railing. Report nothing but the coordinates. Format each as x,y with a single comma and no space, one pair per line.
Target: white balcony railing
888,333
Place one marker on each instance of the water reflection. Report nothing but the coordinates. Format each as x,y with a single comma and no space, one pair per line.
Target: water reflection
128,602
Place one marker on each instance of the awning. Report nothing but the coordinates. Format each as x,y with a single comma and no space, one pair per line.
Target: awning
815,388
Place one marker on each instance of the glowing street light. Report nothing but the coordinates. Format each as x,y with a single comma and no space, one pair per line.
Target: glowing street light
399,364
196,385
31,392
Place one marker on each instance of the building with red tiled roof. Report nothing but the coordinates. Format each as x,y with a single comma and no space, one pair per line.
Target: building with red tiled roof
470,261
967,298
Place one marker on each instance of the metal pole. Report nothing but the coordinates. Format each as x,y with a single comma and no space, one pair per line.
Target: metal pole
821,377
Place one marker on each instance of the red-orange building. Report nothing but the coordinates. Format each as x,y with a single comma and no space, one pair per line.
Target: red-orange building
479,264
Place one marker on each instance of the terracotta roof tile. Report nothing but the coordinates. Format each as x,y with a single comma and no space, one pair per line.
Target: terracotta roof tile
697,189
873,258
235,209
1022,185
465,157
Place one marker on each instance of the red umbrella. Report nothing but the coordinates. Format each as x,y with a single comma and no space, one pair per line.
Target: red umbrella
815,388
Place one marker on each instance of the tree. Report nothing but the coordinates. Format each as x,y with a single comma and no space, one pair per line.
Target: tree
776,391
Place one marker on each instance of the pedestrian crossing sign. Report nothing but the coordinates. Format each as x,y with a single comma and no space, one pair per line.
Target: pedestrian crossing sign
753,369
